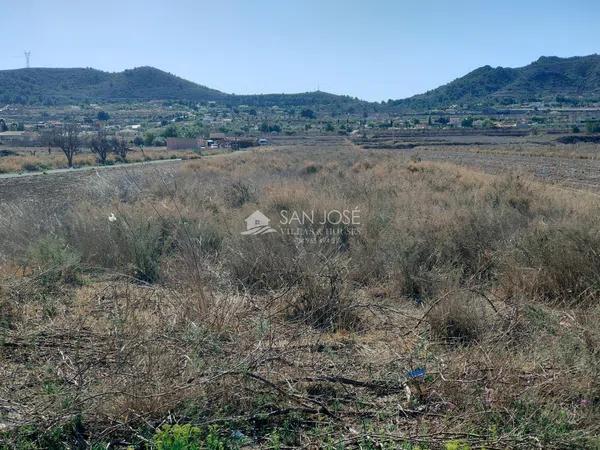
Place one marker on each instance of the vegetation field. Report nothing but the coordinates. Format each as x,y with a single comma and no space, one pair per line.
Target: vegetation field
36,159
457,309
544,157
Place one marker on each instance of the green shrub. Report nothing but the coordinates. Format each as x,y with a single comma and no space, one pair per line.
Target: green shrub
553,426
592,126
71,434
31,167
178,437
142,244
188,437
55,261
133,243
310,168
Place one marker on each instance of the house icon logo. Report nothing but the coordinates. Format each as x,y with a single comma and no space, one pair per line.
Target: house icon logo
257,223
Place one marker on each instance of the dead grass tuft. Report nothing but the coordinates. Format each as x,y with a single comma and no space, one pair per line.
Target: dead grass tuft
460,318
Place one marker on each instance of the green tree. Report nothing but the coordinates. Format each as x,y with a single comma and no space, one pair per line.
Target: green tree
159,141
593,126
170,131
467,122
489,123
308,114
138,141
192,131
149,138
103,116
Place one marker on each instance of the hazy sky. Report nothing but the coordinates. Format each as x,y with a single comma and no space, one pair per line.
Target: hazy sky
372,49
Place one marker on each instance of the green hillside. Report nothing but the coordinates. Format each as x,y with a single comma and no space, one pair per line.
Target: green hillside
570,80
573,80
58,86
64,86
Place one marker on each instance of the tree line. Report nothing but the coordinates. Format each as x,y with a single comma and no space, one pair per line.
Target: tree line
69,140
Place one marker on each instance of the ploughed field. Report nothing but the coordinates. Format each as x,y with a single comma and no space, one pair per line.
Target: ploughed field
450,308
580,171
543,157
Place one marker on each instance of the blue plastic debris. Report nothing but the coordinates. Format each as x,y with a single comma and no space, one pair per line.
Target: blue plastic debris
237,434
416,373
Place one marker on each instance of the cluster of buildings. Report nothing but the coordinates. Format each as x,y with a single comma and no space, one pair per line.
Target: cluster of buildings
19,138
214,141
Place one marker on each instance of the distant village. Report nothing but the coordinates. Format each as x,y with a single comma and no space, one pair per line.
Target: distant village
180,126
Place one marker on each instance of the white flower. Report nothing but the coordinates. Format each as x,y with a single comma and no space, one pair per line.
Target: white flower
112,218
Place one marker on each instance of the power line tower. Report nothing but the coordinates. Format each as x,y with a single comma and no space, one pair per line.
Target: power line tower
27,56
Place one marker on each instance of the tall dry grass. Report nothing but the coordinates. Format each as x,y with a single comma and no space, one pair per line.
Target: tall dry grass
40,160
487,284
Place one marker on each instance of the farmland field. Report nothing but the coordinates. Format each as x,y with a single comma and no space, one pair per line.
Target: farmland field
35,159
457,309
580,170
568,166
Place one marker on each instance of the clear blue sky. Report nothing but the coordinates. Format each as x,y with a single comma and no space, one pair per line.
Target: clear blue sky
372,49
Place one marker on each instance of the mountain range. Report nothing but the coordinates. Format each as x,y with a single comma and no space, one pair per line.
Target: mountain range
573,80
53,86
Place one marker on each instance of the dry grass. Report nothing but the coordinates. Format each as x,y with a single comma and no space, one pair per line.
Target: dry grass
38,159
489,284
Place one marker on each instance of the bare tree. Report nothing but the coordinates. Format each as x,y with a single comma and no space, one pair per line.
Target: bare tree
67,139
120,147
101,146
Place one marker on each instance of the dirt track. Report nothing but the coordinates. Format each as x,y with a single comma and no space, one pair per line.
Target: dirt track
62,187
68,186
